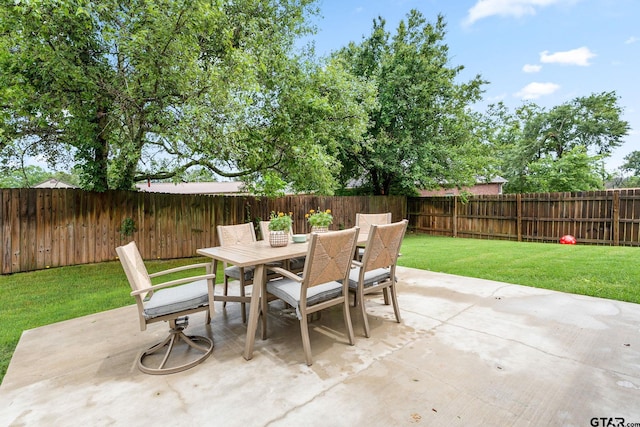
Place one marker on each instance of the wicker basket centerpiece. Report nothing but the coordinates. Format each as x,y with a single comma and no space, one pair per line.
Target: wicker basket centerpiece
279,229
319,220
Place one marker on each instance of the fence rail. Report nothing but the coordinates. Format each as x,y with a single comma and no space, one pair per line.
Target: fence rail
42,228
594,217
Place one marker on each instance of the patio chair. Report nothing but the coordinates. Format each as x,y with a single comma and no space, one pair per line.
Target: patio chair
377,270
327,264
229,235
365,221
170,302
294,264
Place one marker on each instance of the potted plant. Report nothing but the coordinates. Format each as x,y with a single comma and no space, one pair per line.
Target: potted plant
279,228
319,220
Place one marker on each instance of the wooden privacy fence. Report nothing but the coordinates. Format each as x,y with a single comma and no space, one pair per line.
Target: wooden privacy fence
593,217
42,228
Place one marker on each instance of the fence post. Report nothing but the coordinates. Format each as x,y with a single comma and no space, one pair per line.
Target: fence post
519,216
615,226
454,219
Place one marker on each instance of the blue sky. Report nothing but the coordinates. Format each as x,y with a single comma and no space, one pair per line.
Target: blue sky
545,51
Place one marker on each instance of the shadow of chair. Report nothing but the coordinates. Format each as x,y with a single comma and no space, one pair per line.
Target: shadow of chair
171,302
365,221
377,269
327,264
229,235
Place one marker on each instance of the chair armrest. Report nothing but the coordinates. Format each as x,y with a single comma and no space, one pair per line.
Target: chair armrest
184,267
285,273
173,283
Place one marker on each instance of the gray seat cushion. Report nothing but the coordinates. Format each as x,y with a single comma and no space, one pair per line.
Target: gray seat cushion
297,263
371,278
234,272
289,291
176,299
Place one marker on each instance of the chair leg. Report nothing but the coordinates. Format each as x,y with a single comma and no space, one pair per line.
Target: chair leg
264,309
226,289
365,319
394,299
306,343
385,294
347,321
243,306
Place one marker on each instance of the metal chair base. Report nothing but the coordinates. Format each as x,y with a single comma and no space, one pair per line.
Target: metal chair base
200,344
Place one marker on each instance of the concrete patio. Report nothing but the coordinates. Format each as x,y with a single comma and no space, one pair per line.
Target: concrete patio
468,352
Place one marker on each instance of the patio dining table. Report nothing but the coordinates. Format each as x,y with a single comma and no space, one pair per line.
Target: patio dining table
257,254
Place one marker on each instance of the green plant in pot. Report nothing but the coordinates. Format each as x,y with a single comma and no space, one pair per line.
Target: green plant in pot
279,228
319,220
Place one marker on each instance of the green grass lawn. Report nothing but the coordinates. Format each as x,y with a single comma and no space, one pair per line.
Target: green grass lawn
33,299
600,271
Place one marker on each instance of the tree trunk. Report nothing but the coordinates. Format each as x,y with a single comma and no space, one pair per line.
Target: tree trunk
101,154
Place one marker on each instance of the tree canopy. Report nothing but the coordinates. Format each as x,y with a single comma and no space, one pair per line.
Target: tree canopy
32,175
561,149
129,90
420,130
632,163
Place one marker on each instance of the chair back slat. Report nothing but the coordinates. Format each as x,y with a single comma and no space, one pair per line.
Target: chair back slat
238,234
264,229
365,221
134,267
383,246
329,256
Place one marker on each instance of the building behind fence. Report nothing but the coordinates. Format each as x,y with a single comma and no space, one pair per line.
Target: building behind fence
42,228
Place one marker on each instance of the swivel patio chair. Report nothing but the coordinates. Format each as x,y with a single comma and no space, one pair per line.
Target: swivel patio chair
327,264
171,302
377,270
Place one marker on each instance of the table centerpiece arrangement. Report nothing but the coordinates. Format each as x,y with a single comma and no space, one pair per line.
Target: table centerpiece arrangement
320,220
279,229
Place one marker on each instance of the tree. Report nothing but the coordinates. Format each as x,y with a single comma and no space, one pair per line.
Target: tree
632,163
33,175
420,130
557,150
140,90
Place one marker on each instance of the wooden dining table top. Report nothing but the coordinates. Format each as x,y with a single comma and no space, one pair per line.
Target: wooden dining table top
260,252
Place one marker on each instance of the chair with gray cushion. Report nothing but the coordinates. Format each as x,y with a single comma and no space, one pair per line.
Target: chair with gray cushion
323,283
171,302
377,268
365,221
229,235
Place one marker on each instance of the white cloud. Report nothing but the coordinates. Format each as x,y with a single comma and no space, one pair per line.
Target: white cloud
531,68
535,90
497,98
580,56
516,8
631,40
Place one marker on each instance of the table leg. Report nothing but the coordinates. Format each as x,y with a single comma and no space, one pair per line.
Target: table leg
254,310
